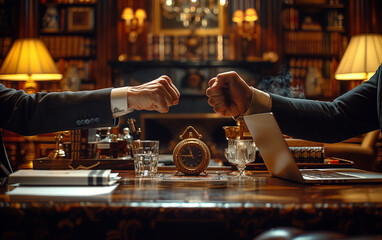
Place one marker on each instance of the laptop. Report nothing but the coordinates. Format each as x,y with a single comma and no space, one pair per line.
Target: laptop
280,162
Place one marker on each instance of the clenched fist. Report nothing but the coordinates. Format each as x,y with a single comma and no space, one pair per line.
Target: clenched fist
158,95
229,94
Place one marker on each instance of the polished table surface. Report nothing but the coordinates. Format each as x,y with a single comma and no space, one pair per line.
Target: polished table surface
209,207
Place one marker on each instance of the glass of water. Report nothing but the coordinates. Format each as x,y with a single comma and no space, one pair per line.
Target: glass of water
240,153
146,156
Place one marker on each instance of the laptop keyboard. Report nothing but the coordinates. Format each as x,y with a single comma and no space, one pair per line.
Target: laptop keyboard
321,174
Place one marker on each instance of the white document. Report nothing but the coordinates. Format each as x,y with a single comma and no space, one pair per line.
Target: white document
62,191
64,177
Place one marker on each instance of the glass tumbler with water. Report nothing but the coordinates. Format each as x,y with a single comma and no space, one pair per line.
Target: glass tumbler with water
146,156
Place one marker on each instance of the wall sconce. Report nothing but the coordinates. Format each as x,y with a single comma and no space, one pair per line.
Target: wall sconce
246,23
134,22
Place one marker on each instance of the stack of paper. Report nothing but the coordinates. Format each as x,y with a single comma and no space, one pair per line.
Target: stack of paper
72,183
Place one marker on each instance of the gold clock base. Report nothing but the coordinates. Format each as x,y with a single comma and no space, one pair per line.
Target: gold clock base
179,173
234,173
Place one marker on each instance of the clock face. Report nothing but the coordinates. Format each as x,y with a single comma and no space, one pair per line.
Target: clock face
191,155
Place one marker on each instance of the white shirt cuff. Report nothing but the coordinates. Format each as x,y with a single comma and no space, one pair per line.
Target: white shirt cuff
118,102
260,103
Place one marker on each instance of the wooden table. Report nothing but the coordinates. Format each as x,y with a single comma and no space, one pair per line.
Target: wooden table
201,209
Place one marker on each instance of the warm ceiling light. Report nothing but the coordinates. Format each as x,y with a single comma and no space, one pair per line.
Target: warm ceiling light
361,58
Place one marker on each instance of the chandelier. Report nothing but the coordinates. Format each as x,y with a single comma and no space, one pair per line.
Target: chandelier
192,13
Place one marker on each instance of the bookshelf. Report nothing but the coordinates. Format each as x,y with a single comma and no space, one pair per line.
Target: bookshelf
68,28
314,37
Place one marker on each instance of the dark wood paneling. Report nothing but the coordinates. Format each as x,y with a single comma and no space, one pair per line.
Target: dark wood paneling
364,16
28,23
106,40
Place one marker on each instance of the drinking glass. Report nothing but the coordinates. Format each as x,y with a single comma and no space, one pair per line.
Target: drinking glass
146,156
241,152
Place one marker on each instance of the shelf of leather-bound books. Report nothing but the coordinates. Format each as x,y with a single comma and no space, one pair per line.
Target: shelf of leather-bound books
68,29
307,5
315,43
70,46
313,17
314,37
311,55
22,150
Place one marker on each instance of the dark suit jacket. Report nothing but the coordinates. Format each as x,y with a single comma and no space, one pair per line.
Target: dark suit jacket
353,113
50,112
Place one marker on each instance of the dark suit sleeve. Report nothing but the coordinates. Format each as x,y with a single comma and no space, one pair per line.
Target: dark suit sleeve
349,115
49,112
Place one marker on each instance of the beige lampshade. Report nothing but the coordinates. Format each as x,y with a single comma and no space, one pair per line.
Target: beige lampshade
361,58
29,60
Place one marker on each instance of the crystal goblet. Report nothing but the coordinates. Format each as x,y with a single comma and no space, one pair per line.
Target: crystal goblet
241,152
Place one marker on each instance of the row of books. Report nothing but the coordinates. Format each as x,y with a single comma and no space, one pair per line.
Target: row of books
330,2
333,20
17,152
308,154
290,18
303,154
324,79
297,65
68,1
78,147
85,67
167,47
325,43
70,46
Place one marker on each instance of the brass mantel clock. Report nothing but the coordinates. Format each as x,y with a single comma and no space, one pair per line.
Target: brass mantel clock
191,155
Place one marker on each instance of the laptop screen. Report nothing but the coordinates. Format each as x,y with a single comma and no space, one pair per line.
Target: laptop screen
272,146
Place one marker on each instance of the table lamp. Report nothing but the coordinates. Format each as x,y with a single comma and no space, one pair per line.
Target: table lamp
29,60
361,58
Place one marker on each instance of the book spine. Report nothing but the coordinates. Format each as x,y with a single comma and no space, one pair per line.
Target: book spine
308,154
98,177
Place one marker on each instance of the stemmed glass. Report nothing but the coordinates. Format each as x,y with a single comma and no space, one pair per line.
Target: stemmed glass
241,152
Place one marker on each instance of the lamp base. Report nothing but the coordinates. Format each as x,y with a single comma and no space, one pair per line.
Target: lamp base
30,87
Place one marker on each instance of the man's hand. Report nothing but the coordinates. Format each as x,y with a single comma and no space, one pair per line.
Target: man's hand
229,94
158,95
